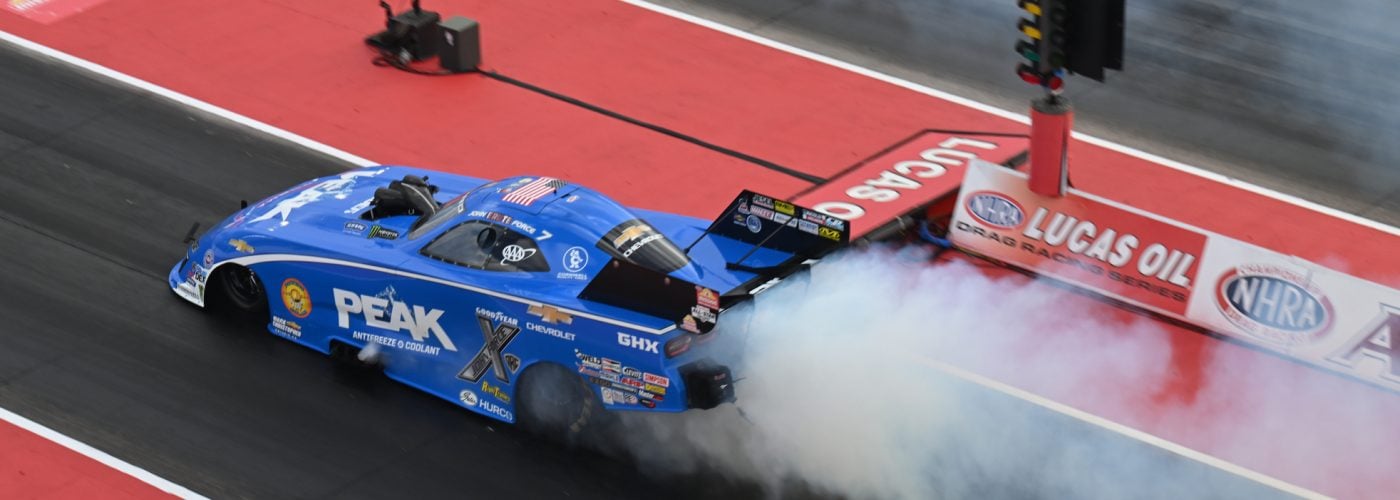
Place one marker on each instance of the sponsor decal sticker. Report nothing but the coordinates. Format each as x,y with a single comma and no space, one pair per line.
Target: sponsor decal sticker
656,379
550,314
295,297
209,258
628,371
638,232
1274,304
743,207
495,409
498,330
784,207
385,311
829,233
285,327
996,210
611,365
382,232
688,324
616,397
468,398
575,260
753,223
241,246
550,331
706,297
824,219
703,314
588,361
355,228
516,253
638,343
513,362
495,391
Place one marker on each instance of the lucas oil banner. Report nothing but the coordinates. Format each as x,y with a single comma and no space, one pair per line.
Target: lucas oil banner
1279,302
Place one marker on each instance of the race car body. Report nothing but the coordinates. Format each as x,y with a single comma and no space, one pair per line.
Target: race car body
460,287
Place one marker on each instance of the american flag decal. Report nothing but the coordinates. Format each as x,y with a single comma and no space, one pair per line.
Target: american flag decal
527,194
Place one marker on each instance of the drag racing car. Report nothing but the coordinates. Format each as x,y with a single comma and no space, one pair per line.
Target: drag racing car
526,298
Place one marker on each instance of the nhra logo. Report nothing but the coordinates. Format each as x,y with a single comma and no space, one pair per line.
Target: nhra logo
1273,304
993,209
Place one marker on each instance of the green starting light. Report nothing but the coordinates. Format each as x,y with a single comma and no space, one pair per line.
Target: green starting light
1027,50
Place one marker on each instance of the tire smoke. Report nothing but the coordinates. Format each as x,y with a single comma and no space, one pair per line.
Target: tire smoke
840,392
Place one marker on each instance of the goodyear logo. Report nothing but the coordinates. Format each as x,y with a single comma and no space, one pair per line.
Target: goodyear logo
996,210
1274,304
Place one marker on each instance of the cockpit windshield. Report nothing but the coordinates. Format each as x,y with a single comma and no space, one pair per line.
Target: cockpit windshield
447,212
637,242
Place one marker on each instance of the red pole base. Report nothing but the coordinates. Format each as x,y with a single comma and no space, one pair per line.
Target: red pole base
1051,121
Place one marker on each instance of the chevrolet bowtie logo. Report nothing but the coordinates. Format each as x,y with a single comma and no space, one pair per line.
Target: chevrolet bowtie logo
551,314
629,234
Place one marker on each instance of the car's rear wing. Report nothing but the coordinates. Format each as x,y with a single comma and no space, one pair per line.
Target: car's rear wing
767,222
754,219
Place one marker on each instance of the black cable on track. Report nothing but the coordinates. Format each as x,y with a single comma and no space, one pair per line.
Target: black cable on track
389,60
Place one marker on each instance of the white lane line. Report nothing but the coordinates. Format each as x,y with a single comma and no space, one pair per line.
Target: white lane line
987,108
1115,427
185,100
98,455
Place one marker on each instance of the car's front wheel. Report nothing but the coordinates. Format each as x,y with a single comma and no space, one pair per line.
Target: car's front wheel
556,403
239,294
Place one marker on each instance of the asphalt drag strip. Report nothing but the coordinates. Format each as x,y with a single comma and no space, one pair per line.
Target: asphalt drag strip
100,184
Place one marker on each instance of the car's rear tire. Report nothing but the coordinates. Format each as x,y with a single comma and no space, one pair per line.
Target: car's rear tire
557,404
239,294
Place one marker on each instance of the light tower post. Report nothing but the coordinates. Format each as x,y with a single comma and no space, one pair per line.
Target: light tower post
1081,37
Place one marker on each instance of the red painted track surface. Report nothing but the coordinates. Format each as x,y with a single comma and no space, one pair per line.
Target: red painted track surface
34,467
299,65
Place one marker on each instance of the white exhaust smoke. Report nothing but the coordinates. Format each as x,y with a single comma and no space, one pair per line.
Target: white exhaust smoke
838,396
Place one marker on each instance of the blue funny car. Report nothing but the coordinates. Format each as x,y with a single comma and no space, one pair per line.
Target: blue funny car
526,298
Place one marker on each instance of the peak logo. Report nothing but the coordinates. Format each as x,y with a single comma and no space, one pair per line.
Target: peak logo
993,209
380,312
1274,304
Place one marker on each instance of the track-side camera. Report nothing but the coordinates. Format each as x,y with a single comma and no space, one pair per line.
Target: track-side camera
416,34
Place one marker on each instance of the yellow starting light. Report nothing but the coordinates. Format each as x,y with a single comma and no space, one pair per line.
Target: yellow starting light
1028,27
1030,6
